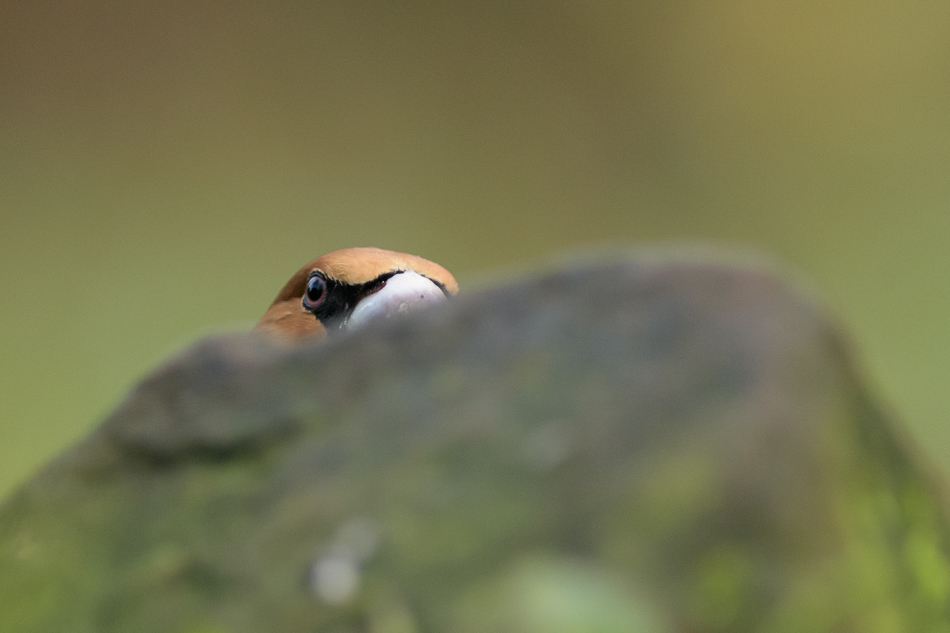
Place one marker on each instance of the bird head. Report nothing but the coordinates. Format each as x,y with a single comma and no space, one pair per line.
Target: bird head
344,289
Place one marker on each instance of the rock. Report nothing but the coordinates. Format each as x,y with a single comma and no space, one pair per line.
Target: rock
645,445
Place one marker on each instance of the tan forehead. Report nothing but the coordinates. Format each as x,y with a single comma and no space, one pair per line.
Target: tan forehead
360,265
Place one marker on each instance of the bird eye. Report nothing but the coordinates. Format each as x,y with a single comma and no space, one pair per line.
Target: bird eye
316,292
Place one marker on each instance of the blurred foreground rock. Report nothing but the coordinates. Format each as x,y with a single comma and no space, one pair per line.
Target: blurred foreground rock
639,446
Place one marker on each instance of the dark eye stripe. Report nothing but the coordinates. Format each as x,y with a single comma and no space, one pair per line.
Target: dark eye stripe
339,299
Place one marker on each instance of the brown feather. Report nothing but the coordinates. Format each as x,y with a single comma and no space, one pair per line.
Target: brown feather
287,317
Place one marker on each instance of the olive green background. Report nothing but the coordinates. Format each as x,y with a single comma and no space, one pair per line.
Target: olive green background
165,166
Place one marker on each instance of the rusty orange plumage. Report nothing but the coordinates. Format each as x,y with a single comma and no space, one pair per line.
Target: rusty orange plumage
349,286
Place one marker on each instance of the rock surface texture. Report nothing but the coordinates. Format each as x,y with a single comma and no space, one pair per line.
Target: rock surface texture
646,445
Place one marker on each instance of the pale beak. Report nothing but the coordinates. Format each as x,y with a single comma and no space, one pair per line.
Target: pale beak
402,293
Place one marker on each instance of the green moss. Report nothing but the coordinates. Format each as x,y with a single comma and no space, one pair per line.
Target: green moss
723,587
557,595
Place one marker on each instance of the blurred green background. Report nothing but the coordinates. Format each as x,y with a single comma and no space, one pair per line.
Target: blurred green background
165,166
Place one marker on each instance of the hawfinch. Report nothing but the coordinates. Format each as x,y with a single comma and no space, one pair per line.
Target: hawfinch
346,288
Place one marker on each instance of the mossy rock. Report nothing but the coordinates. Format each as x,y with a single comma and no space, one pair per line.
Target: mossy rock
654,444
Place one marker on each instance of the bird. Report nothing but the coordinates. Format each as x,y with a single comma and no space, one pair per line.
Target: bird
345,289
